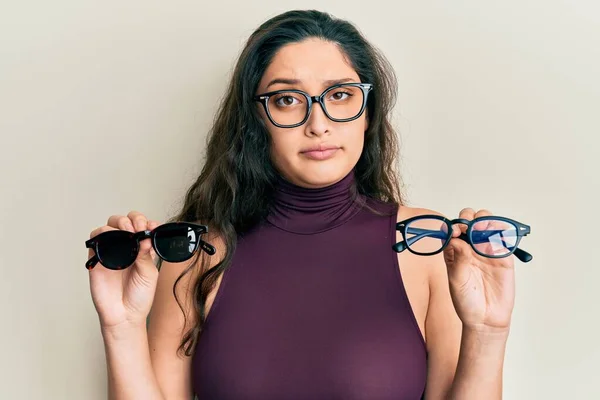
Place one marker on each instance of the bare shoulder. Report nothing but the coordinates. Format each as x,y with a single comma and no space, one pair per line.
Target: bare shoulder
440,323
427,265
416,271
171,316
170,273
430,264
405,212
218,242
204,263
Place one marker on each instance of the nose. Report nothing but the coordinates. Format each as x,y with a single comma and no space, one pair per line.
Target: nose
318,124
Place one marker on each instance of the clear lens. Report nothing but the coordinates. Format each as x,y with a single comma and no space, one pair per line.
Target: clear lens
343,102
494,237
290,108
117,249
426,235
175,242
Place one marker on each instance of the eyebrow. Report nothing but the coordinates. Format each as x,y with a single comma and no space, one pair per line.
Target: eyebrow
286,81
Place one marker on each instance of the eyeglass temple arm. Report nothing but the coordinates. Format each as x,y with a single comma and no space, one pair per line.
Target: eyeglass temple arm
91,263
477,236
207,247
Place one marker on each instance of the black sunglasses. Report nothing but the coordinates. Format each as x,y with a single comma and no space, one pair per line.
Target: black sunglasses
489,236
173,242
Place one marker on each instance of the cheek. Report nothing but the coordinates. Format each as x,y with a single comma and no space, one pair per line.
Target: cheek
355,138
282,145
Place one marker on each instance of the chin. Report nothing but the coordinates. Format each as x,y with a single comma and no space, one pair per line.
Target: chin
321,176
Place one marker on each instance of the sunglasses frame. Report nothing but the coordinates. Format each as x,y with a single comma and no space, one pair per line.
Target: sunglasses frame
522,230
94,242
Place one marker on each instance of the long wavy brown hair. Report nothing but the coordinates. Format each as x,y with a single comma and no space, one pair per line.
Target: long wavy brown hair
234,190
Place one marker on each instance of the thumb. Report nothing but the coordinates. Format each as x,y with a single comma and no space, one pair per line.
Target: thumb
459,250
147,253
145,261
144,264
456,256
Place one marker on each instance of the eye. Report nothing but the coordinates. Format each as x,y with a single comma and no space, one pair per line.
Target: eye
340,95
286,100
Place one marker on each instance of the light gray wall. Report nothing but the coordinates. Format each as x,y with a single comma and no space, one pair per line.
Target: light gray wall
104,108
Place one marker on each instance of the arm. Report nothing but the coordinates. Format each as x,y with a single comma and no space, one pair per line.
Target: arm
468,319
143,363
166,328
464,363
123,299
480,365
130,373
167,325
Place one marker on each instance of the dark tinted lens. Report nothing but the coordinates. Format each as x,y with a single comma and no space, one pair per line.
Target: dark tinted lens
175,242
117,249
494,237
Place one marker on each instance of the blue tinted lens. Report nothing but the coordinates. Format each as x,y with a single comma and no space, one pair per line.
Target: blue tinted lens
494,237
426,235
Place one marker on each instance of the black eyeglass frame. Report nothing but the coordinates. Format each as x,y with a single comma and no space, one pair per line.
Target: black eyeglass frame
93,243
522,230
264,99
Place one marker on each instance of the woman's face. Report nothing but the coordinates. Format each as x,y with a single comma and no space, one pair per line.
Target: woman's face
312,66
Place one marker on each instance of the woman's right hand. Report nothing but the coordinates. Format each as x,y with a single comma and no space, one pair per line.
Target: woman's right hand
124,297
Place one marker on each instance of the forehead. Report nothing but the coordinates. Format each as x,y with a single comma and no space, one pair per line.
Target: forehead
311,61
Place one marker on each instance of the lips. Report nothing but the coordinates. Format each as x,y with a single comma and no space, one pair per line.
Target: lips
321,147
321,152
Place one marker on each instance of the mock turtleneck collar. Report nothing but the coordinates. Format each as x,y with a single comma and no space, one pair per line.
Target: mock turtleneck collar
302,210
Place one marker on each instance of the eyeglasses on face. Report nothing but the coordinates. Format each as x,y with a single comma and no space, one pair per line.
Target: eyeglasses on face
173,242
290,108
489,236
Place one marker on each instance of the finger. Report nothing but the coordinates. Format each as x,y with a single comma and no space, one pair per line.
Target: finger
139,220
100,230
483,213
120,222
483,225
152,225
457,230
498,243
467,213
461,251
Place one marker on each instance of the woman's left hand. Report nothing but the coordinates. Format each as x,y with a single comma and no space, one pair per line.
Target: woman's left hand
482,289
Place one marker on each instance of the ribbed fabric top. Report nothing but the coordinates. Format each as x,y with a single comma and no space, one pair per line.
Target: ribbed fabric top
308,211
313,306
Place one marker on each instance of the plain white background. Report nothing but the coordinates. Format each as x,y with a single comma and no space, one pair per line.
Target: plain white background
104,108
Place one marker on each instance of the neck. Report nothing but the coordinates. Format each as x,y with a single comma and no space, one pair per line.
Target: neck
304,211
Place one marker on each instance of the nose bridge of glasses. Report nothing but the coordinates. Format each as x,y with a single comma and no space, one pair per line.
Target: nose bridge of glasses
316,100
312,101
459,221
141,235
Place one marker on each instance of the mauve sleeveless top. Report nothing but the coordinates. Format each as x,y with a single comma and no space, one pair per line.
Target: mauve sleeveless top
313,307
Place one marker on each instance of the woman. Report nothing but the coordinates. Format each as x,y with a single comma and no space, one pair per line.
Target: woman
305,298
